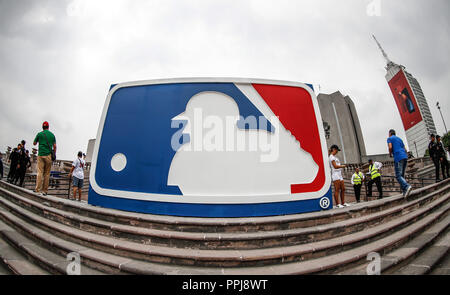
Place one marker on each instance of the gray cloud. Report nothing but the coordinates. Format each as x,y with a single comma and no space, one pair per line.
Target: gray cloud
58,58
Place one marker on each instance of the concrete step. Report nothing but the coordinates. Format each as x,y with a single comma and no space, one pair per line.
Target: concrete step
13,262
399,260
427,172
40,258
26,220
230,225
237,240
427,260
115,264
443,267
332,263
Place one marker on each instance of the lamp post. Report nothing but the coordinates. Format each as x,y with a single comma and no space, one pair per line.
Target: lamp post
439,108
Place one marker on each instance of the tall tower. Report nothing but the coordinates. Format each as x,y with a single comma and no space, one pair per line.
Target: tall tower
411,104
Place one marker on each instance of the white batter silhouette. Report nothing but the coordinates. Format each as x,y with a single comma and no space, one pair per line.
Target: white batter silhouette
229,171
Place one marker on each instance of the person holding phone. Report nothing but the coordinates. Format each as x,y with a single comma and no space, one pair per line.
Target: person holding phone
336,176
77,172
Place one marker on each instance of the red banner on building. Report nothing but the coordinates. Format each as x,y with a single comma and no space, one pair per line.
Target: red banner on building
405,100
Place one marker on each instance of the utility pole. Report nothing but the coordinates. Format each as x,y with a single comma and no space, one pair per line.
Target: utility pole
439,108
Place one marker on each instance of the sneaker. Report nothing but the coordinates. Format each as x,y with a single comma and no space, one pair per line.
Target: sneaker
44,194
340,206
408,191
346,205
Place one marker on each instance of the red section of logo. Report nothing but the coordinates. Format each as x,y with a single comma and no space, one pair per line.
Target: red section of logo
295,109
405,100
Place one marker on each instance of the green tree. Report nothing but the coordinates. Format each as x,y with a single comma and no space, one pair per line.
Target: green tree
446,139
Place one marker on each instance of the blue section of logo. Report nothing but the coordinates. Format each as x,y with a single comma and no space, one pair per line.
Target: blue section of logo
138,125
210,210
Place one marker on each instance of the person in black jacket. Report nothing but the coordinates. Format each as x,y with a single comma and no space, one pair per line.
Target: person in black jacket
1,166
22,166
441,154
13,161
432,150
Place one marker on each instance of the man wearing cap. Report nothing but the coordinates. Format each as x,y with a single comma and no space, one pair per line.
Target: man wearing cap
398,150
375,175
47,143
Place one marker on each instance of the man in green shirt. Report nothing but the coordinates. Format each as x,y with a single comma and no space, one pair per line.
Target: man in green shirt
47,143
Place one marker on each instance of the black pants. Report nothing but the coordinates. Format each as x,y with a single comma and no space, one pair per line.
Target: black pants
436,167
20,175
377,181
357,189
444,167
12,171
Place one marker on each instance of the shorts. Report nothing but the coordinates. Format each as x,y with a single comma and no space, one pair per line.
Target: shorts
77,182
336,176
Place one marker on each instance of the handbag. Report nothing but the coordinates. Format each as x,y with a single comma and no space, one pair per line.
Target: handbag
51,149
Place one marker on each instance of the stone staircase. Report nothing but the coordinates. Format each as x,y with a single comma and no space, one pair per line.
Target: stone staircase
37,233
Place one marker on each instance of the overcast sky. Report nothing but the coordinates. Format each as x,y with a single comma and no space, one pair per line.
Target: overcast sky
58,58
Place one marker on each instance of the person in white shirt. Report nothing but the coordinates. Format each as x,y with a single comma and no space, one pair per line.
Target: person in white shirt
336,177
78,175
357,180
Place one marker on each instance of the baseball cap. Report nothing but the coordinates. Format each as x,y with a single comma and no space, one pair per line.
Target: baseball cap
45,124
335,147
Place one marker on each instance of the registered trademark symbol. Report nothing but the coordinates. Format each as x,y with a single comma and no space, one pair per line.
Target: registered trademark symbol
324,203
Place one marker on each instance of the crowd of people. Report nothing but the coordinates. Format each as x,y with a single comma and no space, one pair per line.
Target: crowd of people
19,161
438,154
357,179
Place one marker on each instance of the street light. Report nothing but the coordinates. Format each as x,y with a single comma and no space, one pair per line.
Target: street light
439,108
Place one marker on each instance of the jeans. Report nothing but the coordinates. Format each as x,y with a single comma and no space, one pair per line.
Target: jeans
400,169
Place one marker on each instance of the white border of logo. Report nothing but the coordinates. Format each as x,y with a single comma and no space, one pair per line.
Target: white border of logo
244,199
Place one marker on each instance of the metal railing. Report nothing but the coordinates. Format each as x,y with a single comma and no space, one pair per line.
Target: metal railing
390,185
60,184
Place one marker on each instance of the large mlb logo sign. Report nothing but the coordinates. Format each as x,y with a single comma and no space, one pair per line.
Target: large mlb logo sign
211,148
